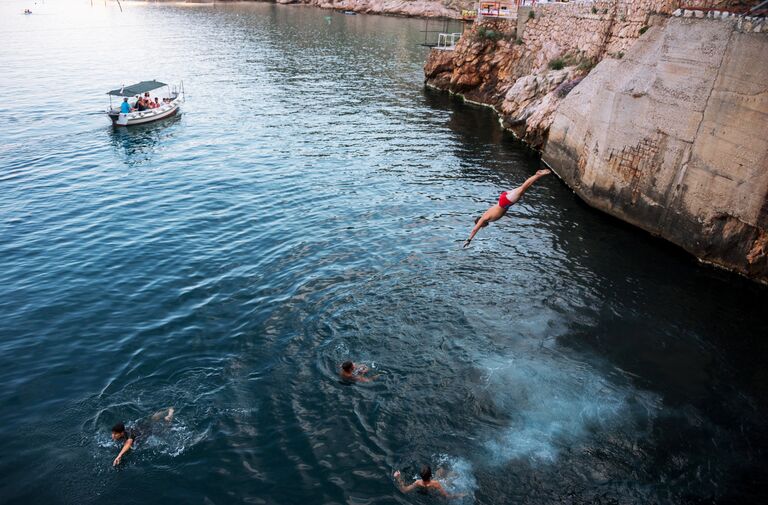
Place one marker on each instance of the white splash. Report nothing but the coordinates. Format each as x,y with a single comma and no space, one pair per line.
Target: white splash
556,403
457,477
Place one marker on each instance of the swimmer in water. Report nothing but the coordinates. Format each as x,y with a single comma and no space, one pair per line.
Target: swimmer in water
353,373
131,435
424,484
506,200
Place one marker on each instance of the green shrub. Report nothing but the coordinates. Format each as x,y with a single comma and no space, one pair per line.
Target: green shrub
557,64
586,65
519,41
623,18
643,30
488,34
531,14
605,11
594,10
620,54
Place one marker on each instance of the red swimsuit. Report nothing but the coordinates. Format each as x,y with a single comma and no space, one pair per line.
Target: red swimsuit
504,201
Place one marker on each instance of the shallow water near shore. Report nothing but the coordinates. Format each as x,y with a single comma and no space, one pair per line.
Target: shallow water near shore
309,207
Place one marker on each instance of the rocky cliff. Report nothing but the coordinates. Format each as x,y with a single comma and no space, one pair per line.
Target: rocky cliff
674,139
655,115
416,8
525,67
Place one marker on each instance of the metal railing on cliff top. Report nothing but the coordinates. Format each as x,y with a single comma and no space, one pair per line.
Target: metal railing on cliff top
743,7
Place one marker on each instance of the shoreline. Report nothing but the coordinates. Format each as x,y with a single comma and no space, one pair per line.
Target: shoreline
372,7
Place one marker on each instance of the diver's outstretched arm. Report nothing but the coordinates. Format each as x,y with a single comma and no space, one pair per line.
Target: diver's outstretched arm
478,225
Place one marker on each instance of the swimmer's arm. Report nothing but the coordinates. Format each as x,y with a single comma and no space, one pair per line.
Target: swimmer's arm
402,487
442,490
126,446
445,493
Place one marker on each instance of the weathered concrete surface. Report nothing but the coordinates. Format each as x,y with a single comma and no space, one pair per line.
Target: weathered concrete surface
673,138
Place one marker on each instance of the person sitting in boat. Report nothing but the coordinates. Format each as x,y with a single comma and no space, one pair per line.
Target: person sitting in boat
141,104
125,107
158,103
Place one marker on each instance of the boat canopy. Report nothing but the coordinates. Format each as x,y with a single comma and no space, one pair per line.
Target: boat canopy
137,89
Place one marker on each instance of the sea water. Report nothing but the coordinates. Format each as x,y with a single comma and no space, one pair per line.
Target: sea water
308,207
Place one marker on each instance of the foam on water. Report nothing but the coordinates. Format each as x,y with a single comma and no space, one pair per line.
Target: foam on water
558,404
171,440
458,478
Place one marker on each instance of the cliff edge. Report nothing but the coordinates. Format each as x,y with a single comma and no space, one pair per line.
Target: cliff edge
674,139
656,115
410,8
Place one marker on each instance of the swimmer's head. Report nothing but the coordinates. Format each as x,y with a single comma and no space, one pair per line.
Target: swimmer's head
426,473
118,431
484,224
348,366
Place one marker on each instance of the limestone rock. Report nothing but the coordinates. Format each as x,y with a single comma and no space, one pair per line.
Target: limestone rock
672,139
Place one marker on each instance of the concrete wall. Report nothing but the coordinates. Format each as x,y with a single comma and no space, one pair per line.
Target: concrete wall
595,29
673,137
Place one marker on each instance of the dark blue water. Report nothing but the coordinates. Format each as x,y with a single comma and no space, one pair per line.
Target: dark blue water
308,207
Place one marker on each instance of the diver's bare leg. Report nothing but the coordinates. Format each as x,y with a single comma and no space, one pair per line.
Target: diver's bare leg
518,192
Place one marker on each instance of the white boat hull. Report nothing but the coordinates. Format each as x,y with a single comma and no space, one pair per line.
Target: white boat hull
146,116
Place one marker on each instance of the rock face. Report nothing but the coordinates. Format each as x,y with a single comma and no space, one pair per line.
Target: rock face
498,71
420,8
669,131
674,139
511,65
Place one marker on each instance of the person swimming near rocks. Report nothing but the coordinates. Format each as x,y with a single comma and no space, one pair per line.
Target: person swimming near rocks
423,485
354,373
129,436
506,200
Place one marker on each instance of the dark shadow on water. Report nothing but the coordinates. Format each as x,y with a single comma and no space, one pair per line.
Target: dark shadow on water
488,151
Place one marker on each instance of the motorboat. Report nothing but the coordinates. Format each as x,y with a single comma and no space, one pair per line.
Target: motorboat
170,98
